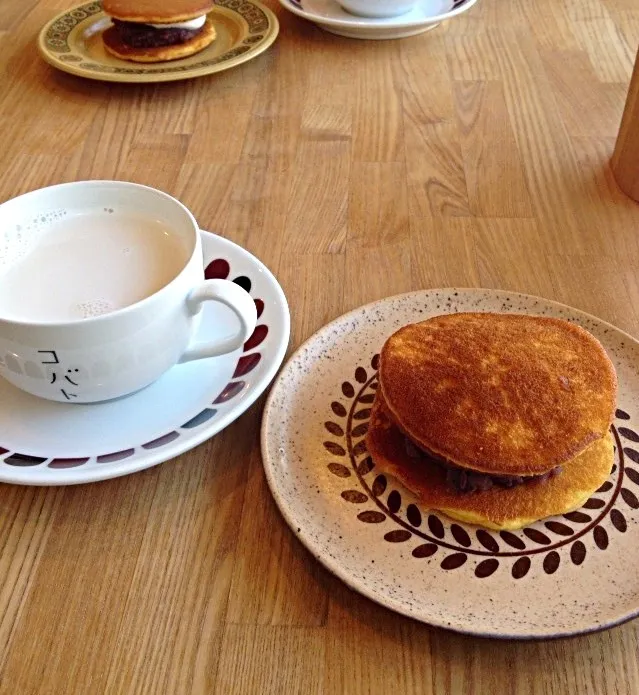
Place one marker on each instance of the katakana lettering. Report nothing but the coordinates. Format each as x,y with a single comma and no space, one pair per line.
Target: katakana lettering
53,354
68,378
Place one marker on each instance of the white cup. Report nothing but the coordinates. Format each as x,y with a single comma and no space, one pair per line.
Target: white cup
114,354
377,9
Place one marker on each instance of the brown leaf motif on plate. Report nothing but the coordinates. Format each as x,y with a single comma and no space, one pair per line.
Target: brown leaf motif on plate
547,545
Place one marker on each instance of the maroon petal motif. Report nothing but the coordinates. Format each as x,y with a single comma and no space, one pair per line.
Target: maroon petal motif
67,463
259,305
360,375
366,398
246,364
622,414
115,456
229,391
260,332
161,441
375,362
218,269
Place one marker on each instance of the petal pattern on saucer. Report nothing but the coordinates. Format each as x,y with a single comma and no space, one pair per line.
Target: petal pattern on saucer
68,444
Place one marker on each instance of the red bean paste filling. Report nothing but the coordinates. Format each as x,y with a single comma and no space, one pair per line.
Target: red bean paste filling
137,35
465,480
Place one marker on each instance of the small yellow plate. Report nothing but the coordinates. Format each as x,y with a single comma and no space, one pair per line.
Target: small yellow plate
72,42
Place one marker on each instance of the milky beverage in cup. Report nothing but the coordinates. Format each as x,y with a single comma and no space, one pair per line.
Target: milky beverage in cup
101,286
70,272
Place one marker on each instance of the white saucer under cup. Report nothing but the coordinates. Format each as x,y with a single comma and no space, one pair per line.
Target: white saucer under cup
330,16
48,443
101,291
377,9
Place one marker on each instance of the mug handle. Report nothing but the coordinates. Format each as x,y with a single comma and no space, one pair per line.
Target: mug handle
236,299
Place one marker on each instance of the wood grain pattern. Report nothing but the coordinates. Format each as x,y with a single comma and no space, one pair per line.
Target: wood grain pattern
475,155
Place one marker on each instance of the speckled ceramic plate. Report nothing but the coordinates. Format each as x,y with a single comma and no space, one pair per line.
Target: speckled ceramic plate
72,42
560,576
48,443
330,16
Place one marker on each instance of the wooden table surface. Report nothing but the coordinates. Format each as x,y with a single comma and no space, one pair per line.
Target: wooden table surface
475,155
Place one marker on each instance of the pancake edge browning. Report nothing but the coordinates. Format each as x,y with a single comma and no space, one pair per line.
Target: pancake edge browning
152,12
497,508
543,411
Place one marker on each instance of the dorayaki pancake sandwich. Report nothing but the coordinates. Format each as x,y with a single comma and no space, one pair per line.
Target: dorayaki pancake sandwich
146,31
495,419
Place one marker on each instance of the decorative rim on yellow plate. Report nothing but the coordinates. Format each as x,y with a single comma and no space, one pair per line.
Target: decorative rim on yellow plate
63,43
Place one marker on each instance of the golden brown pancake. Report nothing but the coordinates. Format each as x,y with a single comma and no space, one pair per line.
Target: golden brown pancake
501,394
497,508
154,12
116,47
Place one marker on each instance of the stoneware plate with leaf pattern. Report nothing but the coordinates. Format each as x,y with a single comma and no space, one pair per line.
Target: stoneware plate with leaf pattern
48,443
560,576
72,42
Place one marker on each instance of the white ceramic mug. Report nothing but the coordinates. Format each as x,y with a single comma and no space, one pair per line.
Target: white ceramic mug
117,353
378,9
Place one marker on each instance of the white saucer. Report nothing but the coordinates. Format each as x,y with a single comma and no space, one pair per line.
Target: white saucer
47,443
328,15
